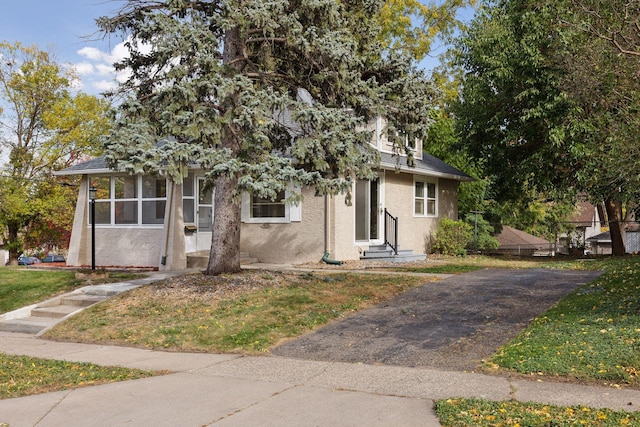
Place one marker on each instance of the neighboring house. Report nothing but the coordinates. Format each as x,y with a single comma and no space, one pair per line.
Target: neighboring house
148,221
600,244
587,222
517,242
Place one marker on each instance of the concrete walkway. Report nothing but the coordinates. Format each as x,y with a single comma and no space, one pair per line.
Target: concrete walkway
231,390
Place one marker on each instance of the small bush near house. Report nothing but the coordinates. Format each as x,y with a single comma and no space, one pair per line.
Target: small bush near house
452,237
482,233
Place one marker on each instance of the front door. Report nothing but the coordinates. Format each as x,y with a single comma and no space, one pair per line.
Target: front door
204,219
369,208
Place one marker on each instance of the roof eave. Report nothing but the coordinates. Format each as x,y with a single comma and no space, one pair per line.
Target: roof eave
425,172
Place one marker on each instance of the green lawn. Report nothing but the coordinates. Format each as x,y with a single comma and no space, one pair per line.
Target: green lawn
484,413
20,286
24,376
592,334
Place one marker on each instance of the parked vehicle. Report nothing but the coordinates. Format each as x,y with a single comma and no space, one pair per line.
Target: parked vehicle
53,258
28,260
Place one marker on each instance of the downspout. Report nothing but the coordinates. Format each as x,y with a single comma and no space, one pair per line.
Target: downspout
327,233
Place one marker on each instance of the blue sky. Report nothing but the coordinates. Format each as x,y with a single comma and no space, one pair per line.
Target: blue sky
67,29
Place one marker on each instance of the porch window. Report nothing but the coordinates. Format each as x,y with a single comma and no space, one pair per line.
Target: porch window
154,199
425,202
103,200
188,200
129,200
126,203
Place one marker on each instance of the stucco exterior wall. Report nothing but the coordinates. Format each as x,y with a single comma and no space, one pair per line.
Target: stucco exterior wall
131,247
400,203
343,230
286,243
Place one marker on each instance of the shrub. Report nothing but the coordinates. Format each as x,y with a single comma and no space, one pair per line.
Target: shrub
482,233
452,237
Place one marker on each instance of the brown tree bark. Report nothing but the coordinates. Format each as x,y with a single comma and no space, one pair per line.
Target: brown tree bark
225,241
616,228
224,256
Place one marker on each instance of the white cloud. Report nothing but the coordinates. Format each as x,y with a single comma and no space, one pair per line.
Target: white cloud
84,68
104,85
97,72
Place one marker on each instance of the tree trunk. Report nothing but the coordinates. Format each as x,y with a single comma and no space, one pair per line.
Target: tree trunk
616,229
13,244
225,241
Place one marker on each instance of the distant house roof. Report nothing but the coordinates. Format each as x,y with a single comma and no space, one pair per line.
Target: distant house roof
601,238
585,214
427,165
512,239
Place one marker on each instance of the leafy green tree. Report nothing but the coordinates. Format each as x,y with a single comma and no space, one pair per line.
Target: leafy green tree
550,107
412,26
42,127
482,238
245,87
601,76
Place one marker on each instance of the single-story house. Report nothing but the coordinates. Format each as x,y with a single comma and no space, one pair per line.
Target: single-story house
149,221
517,242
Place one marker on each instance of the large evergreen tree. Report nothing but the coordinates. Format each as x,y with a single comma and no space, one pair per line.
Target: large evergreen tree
262,95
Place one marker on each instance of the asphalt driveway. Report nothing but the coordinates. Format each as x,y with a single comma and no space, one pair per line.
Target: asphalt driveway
450,324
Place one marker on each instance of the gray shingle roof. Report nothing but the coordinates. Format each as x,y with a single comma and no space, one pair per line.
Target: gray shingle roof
428,165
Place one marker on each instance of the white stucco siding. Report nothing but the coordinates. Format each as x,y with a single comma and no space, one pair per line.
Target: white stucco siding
343,230
128,247
287,243
400,203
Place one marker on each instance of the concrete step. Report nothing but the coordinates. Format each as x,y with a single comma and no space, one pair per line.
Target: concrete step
55,311
385,253
82,300
396,258
27,325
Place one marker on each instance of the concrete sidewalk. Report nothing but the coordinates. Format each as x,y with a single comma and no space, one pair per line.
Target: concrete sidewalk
230,390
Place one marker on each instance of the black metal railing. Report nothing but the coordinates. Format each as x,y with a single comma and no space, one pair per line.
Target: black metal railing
391,231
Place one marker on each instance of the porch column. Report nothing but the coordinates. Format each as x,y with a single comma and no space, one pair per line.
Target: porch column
172,250
79,244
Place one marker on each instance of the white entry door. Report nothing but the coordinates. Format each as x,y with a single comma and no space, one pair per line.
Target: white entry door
369,211
204,219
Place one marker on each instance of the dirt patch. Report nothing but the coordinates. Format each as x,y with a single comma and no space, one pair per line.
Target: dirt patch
451,324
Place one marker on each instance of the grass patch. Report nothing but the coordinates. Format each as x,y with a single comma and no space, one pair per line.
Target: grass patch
25,286
25,376
459,265
484,413
256,311
592,334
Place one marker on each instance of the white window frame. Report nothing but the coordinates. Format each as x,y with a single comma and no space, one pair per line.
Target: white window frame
112,200
425,197
292,212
